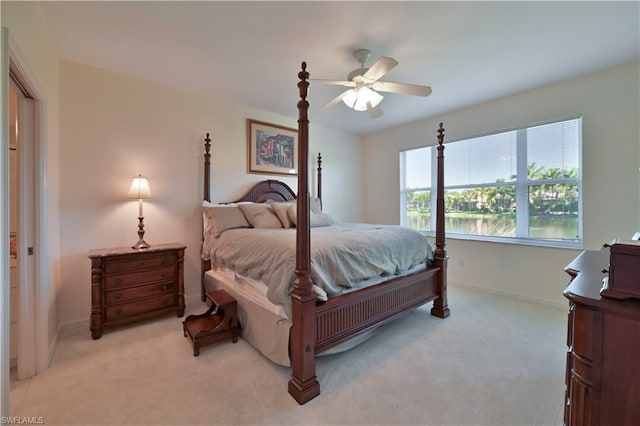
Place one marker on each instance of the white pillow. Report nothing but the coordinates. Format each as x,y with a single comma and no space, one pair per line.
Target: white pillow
315,219
260,215
219,218
315,205
280,209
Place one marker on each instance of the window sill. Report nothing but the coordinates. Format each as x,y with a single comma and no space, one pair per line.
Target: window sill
569,244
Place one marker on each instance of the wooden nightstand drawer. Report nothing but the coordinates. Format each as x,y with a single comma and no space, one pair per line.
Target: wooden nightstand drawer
126,310
129,285
113,282
140,292
144,263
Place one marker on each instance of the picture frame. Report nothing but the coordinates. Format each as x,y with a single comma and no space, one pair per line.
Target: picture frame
13,249
271,149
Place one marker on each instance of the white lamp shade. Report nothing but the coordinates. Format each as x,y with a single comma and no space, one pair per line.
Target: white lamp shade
140,188
358,99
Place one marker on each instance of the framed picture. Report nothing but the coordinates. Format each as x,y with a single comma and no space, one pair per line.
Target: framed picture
13,249
271,149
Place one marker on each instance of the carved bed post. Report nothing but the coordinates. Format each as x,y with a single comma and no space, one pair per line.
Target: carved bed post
440,305
303,385
207,168
319,193
205,265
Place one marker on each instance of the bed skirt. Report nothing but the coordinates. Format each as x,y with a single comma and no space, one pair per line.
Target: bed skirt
264,325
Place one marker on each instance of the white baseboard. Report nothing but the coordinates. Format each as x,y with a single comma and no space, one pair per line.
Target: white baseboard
192,298
52,348
73,325
67,326
509,294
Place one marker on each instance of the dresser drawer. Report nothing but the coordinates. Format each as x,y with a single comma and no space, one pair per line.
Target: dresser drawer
133,293
114,282
126,310
117,266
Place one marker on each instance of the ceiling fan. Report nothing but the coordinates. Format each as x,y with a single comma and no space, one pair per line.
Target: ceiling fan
364,85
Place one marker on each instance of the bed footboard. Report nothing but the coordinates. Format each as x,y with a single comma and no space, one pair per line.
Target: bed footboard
343,317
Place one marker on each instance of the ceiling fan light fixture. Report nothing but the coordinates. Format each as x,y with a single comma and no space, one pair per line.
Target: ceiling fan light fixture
358,99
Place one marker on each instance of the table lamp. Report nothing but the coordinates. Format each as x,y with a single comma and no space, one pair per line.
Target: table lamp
140,190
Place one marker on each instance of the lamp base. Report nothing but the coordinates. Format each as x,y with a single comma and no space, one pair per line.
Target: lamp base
141,244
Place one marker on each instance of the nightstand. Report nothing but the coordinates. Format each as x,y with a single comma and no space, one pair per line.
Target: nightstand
219,323
129,285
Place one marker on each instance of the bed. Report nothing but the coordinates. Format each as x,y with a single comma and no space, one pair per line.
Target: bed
308,323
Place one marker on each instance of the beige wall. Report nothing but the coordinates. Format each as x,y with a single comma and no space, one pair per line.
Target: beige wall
114,127
609,103
31,41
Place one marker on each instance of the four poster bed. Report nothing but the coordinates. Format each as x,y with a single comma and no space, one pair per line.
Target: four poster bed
311,320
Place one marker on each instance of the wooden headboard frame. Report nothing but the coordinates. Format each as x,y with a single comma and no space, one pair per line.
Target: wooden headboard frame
262,191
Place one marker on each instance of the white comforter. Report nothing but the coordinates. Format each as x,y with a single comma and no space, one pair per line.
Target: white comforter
342,256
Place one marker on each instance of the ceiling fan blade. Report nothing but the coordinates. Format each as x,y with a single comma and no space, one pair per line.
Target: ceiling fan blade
405,89
380,68
335,82
336,100
374,112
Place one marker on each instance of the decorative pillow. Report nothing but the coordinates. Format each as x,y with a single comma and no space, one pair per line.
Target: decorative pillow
219,218
315,205
280,209
315,219
260,215
321,219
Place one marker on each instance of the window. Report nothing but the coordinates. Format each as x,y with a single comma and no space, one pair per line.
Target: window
520,185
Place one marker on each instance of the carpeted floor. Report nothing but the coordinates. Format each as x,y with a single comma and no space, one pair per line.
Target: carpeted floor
495,361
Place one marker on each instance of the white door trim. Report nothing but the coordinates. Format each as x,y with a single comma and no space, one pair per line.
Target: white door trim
5,353
34,318
27,233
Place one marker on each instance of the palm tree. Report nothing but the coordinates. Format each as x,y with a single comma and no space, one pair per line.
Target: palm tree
535,172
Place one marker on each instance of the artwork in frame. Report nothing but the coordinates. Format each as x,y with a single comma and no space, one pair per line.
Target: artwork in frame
13,249
271,149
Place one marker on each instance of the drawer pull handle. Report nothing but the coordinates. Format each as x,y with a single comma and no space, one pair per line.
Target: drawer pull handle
118,281
605,271
165,287
164,274
118,296
119,311
118,267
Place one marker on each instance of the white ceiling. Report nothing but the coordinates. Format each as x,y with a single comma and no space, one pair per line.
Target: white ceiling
250,52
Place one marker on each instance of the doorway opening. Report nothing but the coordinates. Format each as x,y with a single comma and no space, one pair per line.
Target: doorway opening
28,341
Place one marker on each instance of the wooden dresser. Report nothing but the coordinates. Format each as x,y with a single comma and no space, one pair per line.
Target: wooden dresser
603,359
129,285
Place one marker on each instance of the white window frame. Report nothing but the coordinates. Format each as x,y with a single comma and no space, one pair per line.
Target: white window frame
521,184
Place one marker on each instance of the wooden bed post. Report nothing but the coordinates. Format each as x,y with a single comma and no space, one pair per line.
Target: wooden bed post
205,264
440,305
207,168
319,193
303,385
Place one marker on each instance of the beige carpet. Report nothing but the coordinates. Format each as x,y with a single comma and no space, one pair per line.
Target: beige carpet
495,361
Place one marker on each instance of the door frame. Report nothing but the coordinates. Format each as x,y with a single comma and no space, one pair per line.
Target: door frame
34,304
5,354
